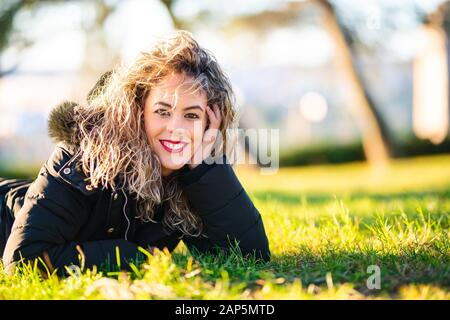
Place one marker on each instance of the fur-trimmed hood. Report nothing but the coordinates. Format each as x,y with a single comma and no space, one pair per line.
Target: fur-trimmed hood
61,123
61,120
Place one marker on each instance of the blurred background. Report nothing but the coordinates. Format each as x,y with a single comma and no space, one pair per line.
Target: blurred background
342,80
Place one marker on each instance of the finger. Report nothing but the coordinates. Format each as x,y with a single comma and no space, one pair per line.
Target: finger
211,117
217,115
214,117
210,136
207,152
210,113
217,112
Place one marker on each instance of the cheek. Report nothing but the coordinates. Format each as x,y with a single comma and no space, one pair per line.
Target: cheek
148,126
151,127
197,132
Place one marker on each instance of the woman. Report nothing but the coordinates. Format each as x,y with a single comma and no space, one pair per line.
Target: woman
133,168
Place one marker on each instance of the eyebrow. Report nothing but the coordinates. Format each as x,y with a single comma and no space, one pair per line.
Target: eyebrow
165,104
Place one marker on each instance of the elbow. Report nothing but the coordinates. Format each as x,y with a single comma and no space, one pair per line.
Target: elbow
12,261
16,256
256,243
264,252
266,255
259,251
11,257
260,254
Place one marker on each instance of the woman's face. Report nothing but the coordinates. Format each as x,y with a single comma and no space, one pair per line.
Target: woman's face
175,121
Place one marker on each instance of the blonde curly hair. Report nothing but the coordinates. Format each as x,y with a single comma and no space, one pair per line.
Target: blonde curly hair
114,148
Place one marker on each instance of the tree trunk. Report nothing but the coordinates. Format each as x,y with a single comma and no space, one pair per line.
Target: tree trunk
374,132
98,58
177,23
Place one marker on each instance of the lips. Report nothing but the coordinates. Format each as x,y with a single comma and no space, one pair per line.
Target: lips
173,146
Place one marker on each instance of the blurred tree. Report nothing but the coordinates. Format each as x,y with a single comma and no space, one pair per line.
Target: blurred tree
97,55
177,22
96,45
431,75
374,131
8,10
441,16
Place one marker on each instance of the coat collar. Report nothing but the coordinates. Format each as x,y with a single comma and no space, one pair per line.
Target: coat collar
61,124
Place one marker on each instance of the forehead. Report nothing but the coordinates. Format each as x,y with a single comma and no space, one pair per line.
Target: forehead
176,85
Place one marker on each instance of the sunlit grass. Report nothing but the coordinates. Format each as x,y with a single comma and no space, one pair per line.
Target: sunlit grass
326,226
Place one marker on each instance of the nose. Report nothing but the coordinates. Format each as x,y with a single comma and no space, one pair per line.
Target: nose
175,126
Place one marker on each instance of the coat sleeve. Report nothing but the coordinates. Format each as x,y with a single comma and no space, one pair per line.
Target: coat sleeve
52,214
227,212
152,234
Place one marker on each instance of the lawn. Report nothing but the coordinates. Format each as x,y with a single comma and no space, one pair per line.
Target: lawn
335,232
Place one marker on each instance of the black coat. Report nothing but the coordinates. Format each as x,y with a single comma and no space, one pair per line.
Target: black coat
59,215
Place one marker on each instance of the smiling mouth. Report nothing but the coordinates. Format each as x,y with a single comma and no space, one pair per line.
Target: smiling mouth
173,146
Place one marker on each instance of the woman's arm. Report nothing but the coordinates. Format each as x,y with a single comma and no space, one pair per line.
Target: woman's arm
52,214
150,235
227,212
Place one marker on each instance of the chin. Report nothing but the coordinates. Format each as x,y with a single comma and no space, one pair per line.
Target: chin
172,164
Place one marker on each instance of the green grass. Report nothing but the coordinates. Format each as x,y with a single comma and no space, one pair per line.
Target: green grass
326,226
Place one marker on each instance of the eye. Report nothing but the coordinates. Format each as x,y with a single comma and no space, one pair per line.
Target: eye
162,112
192,116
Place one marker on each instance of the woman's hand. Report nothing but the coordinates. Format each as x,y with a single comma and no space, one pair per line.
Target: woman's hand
209,137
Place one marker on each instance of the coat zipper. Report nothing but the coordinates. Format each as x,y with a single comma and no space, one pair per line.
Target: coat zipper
125,214
108,219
